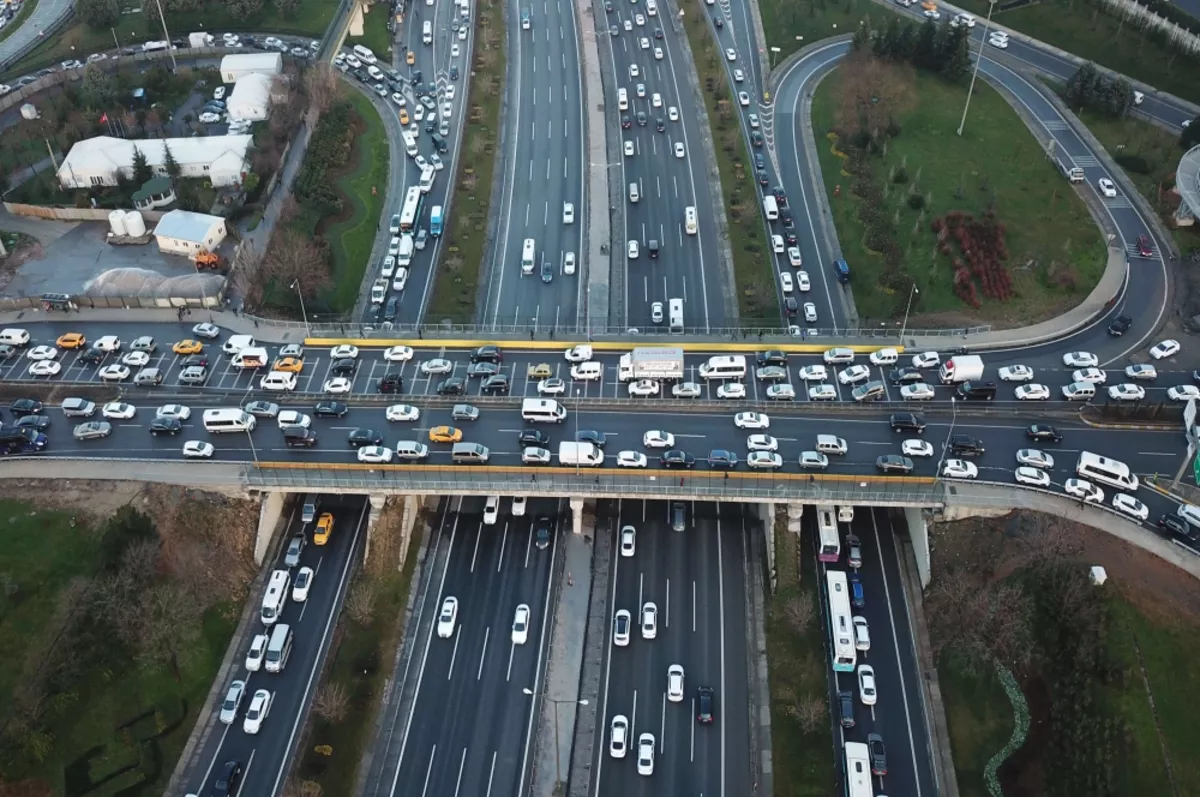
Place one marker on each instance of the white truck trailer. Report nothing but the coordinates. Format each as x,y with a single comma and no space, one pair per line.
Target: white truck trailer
652,362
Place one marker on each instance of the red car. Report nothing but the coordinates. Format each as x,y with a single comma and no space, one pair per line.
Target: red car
1143,245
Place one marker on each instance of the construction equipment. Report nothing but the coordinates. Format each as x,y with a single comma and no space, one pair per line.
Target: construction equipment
209,260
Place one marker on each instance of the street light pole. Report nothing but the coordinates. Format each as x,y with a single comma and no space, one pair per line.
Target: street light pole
557,743
950,436
978,58
911,293
577,430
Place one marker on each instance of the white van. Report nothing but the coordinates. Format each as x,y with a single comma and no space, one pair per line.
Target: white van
411,450
1105,470
278,380
543,410
574,454
238,342
253,357
770,207
15,337
279,647
365,55
405,255
427,32
410,144
675,314
634,194
1079,391
469,454
231,419
690,226
622,99
426,181
587,372
276,596
724,366
1190,514
528,255
831,444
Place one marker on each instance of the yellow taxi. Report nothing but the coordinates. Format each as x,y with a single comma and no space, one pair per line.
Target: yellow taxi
445,434
540,371
324,529
403,116
410,58
291,364
188,347
71,340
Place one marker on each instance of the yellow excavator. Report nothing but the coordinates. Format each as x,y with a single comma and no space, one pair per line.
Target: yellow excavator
209,260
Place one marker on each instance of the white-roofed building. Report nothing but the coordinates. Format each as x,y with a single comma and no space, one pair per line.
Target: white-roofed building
251,98
182,232
222,160
239,65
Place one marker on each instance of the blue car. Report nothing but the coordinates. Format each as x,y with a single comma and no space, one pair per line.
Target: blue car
857,596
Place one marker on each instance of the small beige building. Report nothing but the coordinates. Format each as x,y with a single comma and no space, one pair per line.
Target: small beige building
182,232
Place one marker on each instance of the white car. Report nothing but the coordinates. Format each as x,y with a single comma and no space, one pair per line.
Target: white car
1144,372
520,626
45,368
1035,458
618,737
628,541
752,120
578,354
1032,392
206,330
437,366
810,312
884,357
656,100
1080,359
260,707
179,412
1127,504
1107,188
751,420
633,250
854,374
644,388
435,160
374,455
675,683
287,418
209,118
628,149
1031,476
793,254
232,702
197,449
657,439
645,754
447,617
778,246
764,460
959,469
916,448
838,356
532,455
338,385
344,351
998,41
918,391
730,54
658,54
649,620
1183,393
1016,373
258,649
552,387
731,390
491,510
1127,392
679,153
136,359
743,99
519,504
822,393
631,459
403,413
115,372
39,353
866,684
686,390
813,373
1085,490
813,460
862,633
639,19
673,113
1093,375
762,442
398,354
117,410
927,359
621,622
302,584
633,71
1166,348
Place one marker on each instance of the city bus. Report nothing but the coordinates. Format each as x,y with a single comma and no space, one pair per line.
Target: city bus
841,626
829,546
410,213
435,221
858,770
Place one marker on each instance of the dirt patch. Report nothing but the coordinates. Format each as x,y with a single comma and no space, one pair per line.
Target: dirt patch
1022,774
357,128
95,500
27,248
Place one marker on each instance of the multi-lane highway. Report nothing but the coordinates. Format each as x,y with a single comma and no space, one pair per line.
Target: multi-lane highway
265,757
467,728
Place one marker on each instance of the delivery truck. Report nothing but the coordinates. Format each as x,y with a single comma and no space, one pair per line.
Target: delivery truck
579,454
961,368
200,39
652,362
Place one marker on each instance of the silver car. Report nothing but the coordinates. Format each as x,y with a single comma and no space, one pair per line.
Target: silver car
294,549
232,702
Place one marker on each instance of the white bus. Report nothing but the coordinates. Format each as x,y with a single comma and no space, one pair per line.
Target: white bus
841,625
528,255
410,212
689,220
830,547
276,597
1112,472
231,419
858,770
724,366
675,314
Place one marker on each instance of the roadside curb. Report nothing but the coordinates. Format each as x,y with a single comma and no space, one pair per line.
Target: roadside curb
1129,427
762,760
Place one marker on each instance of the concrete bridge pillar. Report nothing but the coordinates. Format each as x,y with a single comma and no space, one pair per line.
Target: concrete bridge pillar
577,515
408,522
270,513
918,532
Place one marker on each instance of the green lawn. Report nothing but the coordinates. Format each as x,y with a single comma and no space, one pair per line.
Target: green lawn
753,264
18,20
1079,29
980,721
126,715
792,24
1056,253
351,240
454,290
376,36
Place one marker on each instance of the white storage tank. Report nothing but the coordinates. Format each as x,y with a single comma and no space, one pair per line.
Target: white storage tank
116,220
30,111
134,224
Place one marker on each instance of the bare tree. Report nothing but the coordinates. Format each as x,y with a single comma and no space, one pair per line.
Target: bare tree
799,611
293,258
360,603
977,620
302,788
322,86
247,273
332,702
809,712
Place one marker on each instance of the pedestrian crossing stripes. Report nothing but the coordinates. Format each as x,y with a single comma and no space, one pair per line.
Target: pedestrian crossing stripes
1086,161
1054,124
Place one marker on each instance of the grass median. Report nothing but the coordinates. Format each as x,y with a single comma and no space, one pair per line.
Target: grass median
376,36
753,272
455,289
792,24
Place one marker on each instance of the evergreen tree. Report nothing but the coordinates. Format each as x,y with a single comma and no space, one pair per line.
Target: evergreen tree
887,45
174,170
957,63
925,51
141,167
862,38
906,44
98,90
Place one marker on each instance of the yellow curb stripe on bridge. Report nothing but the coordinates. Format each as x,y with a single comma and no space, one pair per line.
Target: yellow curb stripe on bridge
562,345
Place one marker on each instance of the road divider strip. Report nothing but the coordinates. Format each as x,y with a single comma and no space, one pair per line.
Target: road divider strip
563,345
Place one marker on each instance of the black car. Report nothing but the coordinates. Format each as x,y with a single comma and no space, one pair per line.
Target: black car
894,463
706,700
658,34
1176,525
7,351
652,247
762,176
482,369
200,360
360,437
660,124
678,459
542,529
346,366
38,422
720,23
678,516
906,375
756,138
625,123
489,353
90,356
1042,432
330,409
454,73
846,708
1120,325
454,386
391,308
496,383
723,459
790,237
878,754
791,306
225,782
299,437
964,445
26,406
780,196
165,426
389,383
907,422
641,118
772,357
598,439
534,437
759,161
547,271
